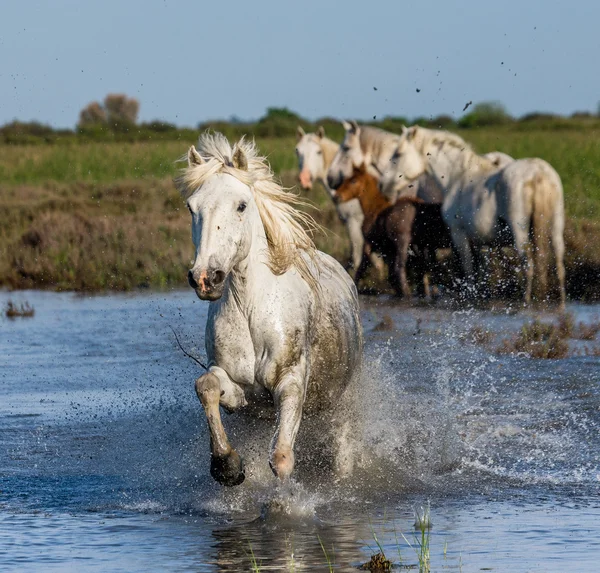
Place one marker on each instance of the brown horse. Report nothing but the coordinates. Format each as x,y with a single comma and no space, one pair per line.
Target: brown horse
392,229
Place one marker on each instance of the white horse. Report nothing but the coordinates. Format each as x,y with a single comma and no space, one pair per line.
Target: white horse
485,205
374,147
315,153
283,319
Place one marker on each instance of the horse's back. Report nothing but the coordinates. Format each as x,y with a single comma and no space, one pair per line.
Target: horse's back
520,180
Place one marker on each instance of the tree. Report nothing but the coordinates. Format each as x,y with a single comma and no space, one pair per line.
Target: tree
92,114
118,111
121,109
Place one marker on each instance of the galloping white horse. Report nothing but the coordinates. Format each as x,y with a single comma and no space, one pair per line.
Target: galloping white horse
374,147
283,318
315,153
482,202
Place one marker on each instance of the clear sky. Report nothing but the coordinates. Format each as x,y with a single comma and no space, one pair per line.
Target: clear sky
190,61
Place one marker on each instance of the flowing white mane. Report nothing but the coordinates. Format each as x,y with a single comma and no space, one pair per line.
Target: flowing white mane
287,229
424,139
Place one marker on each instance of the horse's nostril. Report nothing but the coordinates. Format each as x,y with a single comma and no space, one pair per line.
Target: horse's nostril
192,280
219,277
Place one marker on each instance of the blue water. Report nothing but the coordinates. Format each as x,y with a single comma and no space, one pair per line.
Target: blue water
104,450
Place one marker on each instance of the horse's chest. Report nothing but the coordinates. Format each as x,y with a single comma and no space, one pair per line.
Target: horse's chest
229,345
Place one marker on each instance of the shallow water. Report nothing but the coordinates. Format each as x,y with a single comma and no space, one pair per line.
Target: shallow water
104,450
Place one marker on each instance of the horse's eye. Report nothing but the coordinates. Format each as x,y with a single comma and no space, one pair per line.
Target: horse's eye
319,152
345,148
241,207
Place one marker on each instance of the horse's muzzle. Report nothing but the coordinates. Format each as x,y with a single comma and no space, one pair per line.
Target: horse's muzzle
208,284
334,181
305,180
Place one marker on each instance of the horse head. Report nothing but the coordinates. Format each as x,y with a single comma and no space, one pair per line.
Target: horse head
406,164
310,157
349,155
223,210
354,186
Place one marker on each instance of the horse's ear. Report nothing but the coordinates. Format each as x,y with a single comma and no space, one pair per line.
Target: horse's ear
239,159
346,125
300,133
194,158
404,129
353,126
321,132
361,169
411,132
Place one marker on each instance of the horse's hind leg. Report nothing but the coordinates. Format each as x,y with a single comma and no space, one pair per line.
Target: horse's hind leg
215,388
558,243
289,398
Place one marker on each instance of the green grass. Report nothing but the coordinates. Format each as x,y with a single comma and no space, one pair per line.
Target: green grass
101,215
574,154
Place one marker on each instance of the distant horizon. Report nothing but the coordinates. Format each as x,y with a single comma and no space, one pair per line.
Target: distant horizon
233,118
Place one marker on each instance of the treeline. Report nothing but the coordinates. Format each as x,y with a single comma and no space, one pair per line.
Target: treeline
116,120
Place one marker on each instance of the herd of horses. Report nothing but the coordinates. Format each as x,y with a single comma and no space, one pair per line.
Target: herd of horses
284,327
427,189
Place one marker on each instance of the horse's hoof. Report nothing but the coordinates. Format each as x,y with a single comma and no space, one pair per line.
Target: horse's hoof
228,470
282,463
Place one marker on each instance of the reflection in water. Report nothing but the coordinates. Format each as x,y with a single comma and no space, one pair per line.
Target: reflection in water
104,451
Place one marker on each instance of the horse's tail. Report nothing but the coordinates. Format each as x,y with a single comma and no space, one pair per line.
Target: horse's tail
547,194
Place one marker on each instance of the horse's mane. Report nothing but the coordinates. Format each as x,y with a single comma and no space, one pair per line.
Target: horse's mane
287,229
424,138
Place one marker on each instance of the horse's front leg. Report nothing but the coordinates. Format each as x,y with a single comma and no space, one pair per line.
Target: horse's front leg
289,398
215,389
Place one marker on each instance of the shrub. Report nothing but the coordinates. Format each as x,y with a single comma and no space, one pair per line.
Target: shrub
485,113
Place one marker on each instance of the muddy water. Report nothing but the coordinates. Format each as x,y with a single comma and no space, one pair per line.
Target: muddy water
104,450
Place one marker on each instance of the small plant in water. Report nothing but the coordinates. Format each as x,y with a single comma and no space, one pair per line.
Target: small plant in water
423,526
329,558
378,561
24,310
253,562
538,340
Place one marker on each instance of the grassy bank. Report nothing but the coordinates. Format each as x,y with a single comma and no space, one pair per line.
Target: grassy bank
106,215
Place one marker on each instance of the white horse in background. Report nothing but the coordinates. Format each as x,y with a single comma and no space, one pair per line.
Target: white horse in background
374,147
520,204
315,153
283,318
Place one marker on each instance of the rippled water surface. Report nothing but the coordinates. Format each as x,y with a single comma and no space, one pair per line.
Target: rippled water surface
104,450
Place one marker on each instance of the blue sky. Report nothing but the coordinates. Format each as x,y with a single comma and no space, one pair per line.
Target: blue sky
190,61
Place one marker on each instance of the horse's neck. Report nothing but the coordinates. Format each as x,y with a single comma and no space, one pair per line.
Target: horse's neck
372,202
454,167
377,146
252,275
329,149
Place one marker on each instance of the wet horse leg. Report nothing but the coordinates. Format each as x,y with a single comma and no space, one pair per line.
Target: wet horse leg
357,241
398,269
364,263
215,389
289,398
